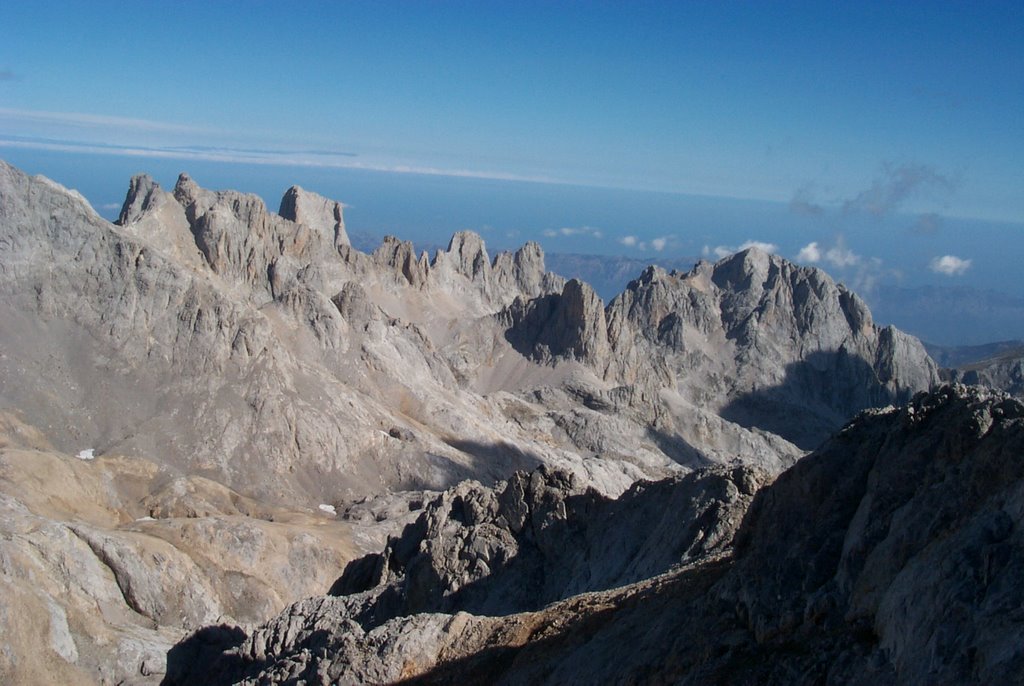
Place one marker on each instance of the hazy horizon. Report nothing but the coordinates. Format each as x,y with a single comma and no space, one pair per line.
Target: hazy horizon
883,143
644,226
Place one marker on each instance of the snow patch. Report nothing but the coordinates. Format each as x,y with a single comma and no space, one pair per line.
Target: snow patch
87,454
329,509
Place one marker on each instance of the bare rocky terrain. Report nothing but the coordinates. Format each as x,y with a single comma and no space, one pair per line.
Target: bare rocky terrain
892,554
211,410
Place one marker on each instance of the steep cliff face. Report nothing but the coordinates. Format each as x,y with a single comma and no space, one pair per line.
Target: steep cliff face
570,325
765,343
321,214
894,554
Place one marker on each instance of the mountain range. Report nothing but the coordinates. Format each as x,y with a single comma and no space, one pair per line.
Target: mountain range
210,410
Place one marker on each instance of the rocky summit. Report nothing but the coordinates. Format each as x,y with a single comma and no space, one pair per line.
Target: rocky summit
469,467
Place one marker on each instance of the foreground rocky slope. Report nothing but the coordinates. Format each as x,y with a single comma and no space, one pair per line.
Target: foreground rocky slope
105,562
893,554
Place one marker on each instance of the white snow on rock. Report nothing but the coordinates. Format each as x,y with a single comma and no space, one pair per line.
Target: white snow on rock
329,509
87,454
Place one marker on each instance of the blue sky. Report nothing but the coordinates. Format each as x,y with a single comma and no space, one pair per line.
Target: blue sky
883,142
749,100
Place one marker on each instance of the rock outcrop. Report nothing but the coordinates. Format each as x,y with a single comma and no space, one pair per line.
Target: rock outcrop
541,537
569,325
529,541
894,554
321,214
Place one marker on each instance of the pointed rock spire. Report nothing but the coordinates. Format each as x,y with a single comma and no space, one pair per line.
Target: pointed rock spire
317,212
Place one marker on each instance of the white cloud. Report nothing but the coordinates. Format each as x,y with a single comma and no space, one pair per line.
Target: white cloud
114,126
657,244
860,273
810,253
721,251
950,265
579,230
574,231
841,256
760,245
869,274
82,119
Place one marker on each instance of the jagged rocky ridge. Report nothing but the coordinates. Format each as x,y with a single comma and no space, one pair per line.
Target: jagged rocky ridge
228,366
539,537
261,350
755,337
893,554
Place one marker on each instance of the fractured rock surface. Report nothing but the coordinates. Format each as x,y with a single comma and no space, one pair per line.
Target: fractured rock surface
540,537
893,554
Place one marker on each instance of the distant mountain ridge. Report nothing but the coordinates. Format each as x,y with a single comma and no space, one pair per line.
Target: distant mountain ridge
609,275
970,355
953,316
